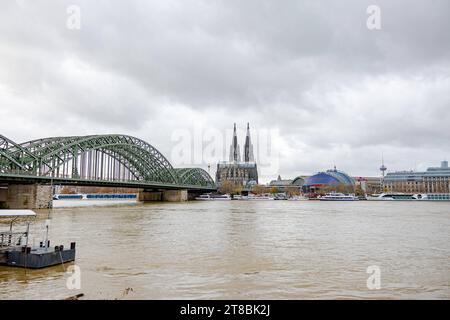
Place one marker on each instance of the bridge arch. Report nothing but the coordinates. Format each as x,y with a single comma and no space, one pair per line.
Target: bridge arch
103,157
96,157
194,176
109,158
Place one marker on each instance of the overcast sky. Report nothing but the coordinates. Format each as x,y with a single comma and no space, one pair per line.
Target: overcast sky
338,92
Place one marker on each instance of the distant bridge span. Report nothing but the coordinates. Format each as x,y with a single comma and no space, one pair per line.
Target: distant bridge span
96,160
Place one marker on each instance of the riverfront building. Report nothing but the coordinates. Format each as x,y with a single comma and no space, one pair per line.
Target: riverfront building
329,178
366,184
243,173
287,184
433,180
369,184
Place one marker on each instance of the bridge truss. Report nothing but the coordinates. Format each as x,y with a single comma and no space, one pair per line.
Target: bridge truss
96,158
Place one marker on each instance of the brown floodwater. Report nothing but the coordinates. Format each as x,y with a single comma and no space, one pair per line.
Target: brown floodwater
245,250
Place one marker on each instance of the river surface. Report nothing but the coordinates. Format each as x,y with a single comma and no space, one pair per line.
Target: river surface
245,250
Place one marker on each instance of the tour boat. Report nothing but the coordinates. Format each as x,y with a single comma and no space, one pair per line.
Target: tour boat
252,197
334,196
399,196
280,196
213,197
435,196
298,198
392,196
96,196
68,197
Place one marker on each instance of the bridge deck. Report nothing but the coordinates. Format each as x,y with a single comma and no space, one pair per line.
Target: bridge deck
14,178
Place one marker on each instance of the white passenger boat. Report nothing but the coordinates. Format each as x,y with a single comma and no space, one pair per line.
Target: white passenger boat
213,197
96,196
298,198
392,196
435,196
335,196
252,197
399,196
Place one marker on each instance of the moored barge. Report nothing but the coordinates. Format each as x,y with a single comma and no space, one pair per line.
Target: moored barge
16,252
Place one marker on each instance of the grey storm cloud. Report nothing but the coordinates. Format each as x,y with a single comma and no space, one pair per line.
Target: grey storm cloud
338,92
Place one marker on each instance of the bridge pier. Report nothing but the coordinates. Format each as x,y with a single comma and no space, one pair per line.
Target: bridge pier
150,196
164,195
3,193
175,195
26,196
192,194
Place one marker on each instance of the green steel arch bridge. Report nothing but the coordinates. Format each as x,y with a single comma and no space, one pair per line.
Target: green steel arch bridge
96,160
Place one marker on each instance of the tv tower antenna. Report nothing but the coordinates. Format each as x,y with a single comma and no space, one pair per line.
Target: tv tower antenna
383,170
383,167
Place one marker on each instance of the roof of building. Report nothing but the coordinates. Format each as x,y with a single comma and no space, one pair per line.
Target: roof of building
329,177
240,164
16,213
367,179
442,171
299,181
280,182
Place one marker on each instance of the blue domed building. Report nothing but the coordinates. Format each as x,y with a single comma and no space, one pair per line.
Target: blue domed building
328,178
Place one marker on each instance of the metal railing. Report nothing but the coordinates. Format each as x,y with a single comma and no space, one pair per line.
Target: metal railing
10,239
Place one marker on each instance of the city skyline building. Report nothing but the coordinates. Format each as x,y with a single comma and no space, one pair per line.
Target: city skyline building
235,154
248,147
433,180
243,173
383,169
328,178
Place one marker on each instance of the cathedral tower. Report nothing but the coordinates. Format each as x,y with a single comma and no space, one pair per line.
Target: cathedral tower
235,153
248,147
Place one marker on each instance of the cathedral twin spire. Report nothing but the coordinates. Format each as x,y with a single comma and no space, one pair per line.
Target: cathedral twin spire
235,154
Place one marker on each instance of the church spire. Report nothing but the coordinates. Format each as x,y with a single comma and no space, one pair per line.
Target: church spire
248,147
234,148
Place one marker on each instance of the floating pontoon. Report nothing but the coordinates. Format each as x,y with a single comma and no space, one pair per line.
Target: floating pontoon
14,248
